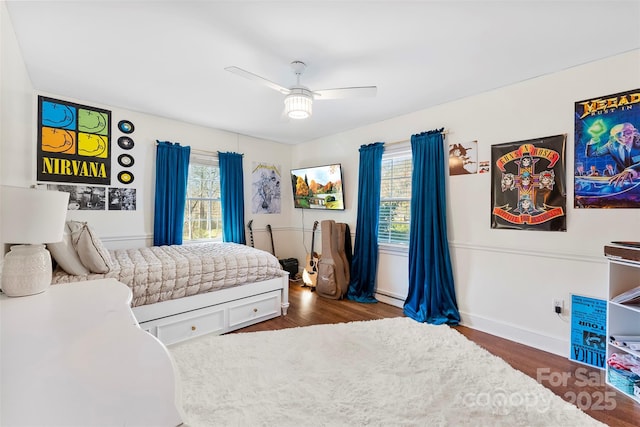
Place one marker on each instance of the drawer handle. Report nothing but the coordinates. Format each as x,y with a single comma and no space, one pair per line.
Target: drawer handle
193,328
255,310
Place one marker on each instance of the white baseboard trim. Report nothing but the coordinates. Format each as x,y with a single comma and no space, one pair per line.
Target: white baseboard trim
517,334
388,299
508,331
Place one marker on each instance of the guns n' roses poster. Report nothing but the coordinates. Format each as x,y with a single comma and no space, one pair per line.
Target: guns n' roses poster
607,141
528,189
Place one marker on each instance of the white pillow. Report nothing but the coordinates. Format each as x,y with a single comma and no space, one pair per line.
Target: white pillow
66,256
90,249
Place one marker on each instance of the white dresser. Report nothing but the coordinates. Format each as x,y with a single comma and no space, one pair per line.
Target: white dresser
75,356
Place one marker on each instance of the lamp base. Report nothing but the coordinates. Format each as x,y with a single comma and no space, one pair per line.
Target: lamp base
26,271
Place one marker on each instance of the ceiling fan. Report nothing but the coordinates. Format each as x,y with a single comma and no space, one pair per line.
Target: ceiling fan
299,98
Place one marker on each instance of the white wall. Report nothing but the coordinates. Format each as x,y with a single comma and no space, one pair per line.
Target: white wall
15,108
15,112
132,229
505,279
124,228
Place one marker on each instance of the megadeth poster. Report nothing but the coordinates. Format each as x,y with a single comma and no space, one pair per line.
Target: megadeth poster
607,146
528,190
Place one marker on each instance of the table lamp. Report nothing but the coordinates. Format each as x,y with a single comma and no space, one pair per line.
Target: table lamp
29,218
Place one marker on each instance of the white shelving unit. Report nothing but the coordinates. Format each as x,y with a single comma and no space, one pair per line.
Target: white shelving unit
622,319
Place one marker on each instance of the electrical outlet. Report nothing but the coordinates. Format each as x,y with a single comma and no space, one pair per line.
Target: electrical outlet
558,305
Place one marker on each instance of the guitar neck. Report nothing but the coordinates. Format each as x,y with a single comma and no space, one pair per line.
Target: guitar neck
273,248
310,272
312,255
250,227
313,236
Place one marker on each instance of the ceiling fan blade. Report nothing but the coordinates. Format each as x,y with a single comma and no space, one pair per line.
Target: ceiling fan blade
248,75
346,92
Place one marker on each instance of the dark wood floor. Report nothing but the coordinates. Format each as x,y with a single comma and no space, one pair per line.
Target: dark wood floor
584,386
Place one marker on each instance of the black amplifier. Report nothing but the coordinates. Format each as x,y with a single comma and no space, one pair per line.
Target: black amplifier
290,265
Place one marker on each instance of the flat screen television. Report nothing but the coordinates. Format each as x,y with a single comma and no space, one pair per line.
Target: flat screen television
318,187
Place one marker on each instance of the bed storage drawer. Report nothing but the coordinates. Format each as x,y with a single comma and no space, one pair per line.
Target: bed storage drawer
192,325
250,310
229,310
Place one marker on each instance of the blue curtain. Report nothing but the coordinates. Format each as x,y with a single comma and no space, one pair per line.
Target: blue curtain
365,256
232,195
431,296
172,174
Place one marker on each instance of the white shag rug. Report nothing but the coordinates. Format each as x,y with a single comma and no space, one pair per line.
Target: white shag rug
389,372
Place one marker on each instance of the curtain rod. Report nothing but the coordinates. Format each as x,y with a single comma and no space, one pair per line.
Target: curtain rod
205,153
201,152
444,132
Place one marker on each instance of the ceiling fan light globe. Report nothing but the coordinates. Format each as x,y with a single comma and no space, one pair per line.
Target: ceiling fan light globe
298,115
298,105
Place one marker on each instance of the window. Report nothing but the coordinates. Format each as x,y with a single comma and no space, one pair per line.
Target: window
395,197
202,212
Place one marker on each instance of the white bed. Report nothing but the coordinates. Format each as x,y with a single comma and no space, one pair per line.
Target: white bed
183,291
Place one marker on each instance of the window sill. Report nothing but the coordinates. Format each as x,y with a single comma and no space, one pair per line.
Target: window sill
388,248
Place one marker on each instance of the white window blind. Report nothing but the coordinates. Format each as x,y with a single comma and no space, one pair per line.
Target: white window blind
395,196
203,212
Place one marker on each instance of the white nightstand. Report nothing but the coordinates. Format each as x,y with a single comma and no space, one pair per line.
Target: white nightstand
75,356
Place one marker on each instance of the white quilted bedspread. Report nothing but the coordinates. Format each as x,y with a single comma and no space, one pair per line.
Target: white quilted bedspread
161,273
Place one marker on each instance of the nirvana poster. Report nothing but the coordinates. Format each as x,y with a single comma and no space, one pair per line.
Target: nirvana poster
73,142
528,186
607,147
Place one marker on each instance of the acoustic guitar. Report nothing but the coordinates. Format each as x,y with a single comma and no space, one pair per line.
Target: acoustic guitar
310,273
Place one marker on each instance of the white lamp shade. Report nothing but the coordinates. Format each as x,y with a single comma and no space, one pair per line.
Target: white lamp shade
31,216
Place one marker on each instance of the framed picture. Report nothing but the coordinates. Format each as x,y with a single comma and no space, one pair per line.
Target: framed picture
607,151
528,189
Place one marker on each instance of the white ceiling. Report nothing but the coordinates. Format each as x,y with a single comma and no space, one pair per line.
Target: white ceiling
167,58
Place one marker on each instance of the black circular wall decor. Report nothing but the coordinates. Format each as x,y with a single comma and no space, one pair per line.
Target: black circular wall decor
125,126
125,143
125,177
125,160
